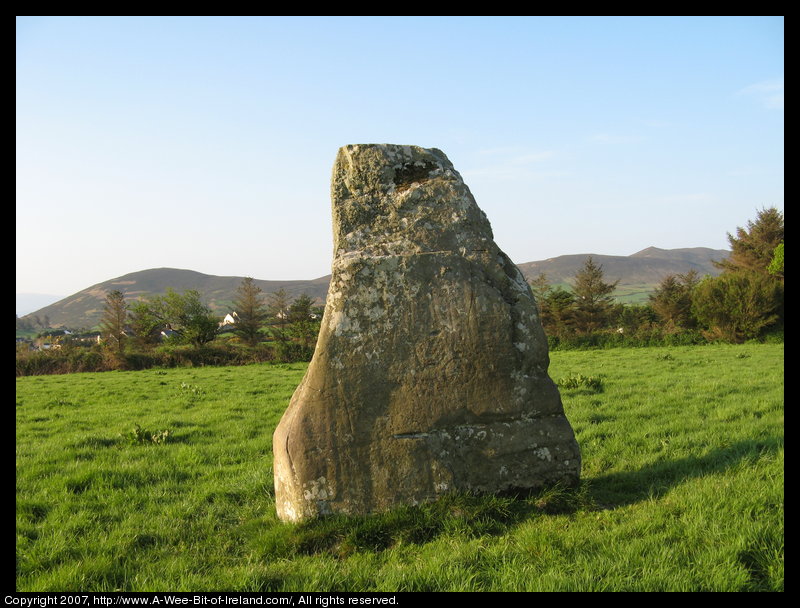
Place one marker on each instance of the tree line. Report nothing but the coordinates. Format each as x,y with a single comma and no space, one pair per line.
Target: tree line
180,329
744,302
178,319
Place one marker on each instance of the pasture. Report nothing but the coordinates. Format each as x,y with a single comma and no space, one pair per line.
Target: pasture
161,480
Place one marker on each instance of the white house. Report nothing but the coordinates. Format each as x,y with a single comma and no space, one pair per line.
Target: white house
230,319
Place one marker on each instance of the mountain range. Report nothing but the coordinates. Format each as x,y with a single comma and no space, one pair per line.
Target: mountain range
638,275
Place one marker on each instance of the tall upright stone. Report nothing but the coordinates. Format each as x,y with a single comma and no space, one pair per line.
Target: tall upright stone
430,371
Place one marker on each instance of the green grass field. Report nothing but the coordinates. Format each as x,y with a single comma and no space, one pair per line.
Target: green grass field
631,293
161,480
638,293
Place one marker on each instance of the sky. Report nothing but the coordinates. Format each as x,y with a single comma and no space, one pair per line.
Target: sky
207,143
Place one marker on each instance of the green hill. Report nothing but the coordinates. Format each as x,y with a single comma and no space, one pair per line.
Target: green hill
85,308
638,275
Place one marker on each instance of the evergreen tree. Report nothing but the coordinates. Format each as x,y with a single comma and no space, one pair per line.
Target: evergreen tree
748,297
250,312
593,301
672,301
115,317
633,319
737,306
753,248
303,322
556,306
557,312
540,287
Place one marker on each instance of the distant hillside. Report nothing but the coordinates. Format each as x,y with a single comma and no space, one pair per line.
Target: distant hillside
85,308
646,266
29,302
638,274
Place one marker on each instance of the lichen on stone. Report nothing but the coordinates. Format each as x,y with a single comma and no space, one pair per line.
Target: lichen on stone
430,372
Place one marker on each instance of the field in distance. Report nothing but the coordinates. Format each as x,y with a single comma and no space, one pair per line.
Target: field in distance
162,479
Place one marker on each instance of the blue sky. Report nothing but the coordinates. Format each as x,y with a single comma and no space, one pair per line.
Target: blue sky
207,142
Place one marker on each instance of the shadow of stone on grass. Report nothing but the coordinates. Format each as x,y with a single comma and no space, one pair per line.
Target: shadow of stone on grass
475,515
655,480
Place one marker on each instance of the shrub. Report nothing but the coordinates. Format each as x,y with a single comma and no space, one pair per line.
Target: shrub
292,352
591,384
738,306
138,435
642,338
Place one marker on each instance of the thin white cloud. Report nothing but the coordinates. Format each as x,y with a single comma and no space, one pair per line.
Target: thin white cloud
768,92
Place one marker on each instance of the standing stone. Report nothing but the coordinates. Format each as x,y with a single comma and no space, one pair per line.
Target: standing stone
430,371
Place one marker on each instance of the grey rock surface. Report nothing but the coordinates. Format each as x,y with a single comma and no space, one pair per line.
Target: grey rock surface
430,370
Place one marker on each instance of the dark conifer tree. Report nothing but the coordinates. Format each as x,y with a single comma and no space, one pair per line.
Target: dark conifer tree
593,302
251,312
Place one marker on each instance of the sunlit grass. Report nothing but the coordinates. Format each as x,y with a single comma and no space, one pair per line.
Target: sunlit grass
682,487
